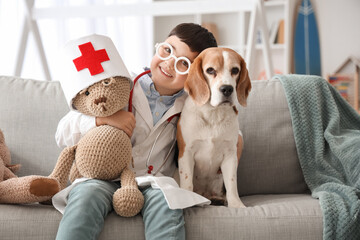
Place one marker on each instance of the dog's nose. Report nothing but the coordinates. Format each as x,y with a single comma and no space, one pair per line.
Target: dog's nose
226,90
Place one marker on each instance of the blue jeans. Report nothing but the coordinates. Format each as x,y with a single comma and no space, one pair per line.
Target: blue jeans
91,201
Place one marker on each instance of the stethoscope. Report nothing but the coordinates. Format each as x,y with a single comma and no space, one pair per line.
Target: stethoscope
150,167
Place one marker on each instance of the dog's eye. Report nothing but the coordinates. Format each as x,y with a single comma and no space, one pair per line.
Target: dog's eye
210,70
235,71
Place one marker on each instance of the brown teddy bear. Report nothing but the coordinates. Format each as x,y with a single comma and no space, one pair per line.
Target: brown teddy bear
99,85
27,189
104,152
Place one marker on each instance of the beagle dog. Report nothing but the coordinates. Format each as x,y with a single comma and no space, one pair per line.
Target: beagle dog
208,129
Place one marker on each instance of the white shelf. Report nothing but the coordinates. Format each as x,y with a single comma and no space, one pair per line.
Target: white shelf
277,10
275,3
276,46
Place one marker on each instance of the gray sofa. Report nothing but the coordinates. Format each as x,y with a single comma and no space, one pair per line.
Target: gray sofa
270,180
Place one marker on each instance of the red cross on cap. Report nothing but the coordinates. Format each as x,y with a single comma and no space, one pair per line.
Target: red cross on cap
91,59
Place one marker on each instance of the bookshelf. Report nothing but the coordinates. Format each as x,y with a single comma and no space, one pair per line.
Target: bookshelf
280,16
346,79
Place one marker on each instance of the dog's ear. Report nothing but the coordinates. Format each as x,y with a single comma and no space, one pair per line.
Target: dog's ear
243,84
196,85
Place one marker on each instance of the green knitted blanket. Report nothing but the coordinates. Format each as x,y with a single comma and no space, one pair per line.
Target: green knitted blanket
327,135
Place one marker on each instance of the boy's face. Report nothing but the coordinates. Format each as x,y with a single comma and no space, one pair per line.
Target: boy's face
167,81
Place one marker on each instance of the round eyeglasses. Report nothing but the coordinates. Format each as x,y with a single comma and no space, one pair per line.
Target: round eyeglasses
165,51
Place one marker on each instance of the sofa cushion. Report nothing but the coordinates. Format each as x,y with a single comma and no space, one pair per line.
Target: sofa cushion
269,163
29,113
296,216
41,222
293,216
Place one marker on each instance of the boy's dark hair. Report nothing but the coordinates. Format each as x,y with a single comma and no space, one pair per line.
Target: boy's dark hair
195,36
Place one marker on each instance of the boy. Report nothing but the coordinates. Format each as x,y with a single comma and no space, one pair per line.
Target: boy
157,99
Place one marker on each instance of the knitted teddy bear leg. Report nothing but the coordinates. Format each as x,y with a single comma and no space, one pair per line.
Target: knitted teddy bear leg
74,173
63,166
28,189
128,200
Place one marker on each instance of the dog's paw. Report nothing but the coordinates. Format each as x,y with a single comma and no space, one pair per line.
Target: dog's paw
236,204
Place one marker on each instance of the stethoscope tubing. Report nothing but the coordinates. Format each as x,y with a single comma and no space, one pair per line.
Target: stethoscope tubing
169,120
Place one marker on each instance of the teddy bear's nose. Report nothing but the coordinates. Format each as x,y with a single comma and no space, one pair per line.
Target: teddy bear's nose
100,100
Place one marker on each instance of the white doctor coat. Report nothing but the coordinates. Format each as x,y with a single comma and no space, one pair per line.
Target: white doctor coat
74,125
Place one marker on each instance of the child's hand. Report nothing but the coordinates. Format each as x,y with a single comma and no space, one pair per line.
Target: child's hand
122,120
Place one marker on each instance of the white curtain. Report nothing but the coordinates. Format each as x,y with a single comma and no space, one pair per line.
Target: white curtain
131,35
